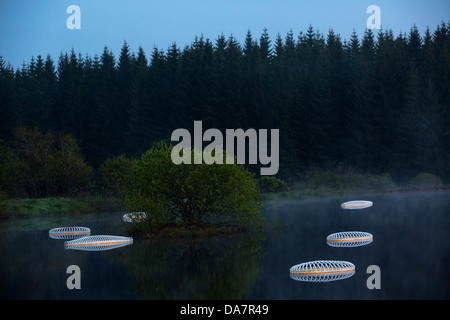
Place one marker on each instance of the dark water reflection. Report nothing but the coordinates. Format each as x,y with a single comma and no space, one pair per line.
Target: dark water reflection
410,245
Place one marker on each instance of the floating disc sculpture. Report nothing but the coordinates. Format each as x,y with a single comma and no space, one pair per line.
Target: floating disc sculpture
349,239
67,233
98,243
134,216
357,204
322,271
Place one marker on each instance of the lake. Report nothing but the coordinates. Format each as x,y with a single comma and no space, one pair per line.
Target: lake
411,247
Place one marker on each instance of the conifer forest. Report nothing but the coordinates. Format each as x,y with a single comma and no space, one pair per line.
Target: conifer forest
378,102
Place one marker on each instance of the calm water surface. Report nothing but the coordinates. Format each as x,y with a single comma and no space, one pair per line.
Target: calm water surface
411,246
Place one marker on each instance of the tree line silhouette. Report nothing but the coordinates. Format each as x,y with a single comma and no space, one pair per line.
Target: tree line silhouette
378,102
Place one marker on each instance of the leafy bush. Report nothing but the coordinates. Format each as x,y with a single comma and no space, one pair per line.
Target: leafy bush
11,171
380,182
425,180
51,165
345,180
335,180
68,174
113,173
192,194
272,184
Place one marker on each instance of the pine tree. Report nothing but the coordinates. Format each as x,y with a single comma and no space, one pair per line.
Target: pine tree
229,74
157,108
414,47
138,135
125,75
101,125
252,79
7,113
265,49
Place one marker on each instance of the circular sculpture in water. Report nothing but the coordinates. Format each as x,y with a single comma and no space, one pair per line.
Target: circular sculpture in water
98,243
134,216
349,239
322,271
356,204
69,232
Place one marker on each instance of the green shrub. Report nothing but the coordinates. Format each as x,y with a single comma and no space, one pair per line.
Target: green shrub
67,172
51,164
345,181
425,180
113,173
380,182
11,171
272,185
190,194
319,178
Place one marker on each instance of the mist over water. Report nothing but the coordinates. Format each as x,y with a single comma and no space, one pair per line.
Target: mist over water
410,246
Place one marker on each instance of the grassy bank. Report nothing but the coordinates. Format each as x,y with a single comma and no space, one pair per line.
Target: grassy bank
45,206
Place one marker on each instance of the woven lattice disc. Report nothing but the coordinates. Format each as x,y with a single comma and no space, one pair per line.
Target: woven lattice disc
69,232
349,239
98,243
322,271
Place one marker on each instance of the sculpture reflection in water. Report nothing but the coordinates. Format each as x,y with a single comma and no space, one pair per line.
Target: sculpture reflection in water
322,271
67,233
349,239
98,243
134,216
356,204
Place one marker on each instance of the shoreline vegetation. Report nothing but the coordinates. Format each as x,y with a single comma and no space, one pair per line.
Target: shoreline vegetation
326,193
273,190
21,208
333,183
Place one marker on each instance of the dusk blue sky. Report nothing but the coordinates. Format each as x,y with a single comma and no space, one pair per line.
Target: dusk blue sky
32,27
